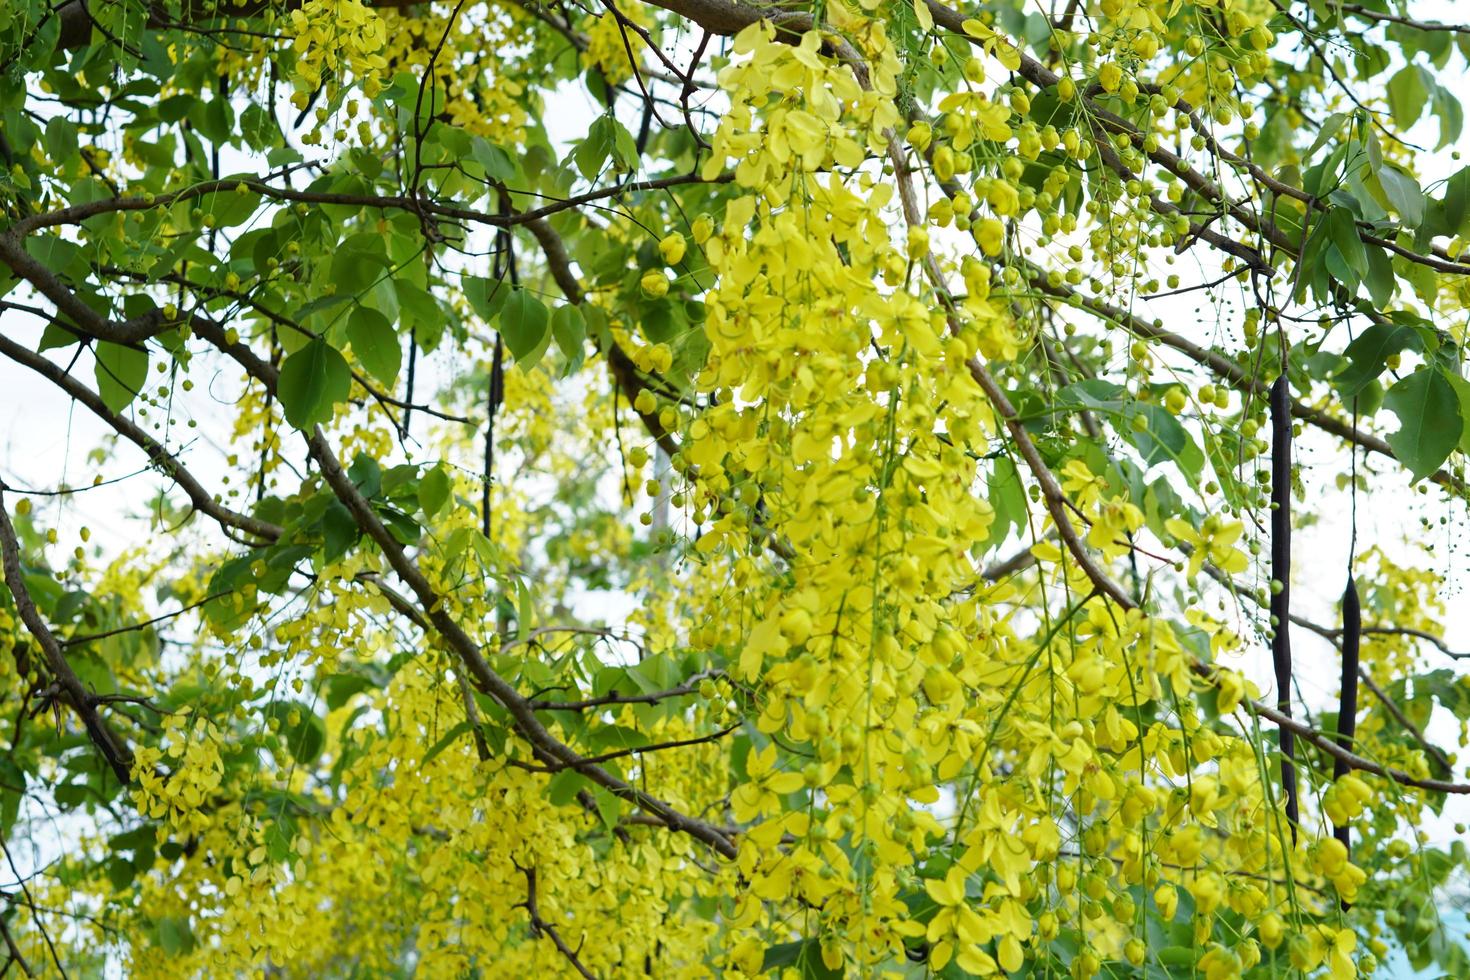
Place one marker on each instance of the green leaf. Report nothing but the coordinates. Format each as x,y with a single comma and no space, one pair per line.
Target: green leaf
609,807
434,491
341,687
174,935
366,475
1381,281
1462,392
1407,96
280,835
121,373
613,738
1008,498
375,344
497,163
53,335
781,954
231,607
1450,214
607,139
570,331
1430,424
625,148
1403,193
525,325
1166,439
229,208
563,787
400,525
121,874
1331,126
339,530
454,140
1342,231
69,796
313,381
525,606
357,263
662,320
486,296
592,154
805,955
1451,116
446,740
1369,353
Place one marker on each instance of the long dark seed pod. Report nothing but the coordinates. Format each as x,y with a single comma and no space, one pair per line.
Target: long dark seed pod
1347,705
496,396
413,357
1281,588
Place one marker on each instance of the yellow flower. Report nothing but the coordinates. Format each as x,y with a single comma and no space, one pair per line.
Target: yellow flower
990,235
671,247
1213,542
761,795
655,283
957,930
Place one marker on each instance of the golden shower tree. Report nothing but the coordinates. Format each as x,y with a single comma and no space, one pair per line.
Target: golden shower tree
932,380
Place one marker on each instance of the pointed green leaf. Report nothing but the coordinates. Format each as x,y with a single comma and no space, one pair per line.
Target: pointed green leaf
375,344
313,380
497,163
434,491
1342,231
1404,194
525,326
1369,352
486,296
1451,116
1407,96
1462,392
121,373
592,154
1429,420
570,331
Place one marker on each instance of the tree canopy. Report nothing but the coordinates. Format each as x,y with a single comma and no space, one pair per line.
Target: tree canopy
721,488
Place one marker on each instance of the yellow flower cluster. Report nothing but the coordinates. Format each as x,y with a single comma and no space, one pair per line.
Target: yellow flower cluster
175,782
333,37
609,43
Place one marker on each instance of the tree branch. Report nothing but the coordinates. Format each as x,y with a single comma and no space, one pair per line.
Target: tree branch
114,750
431,604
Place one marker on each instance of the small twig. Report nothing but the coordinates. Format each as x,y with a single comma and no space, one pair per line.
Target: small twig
688,687
1418,25
621,753
1428,637
129,699
540,927
472,715
77,640
15,953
